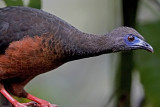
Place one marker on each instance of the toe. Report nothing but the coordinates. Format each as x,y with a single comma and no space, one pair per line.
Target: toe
54,105
20,105
32,103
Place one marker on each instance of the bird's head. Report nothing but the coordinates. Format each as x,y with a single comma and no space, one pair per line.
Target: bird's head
126,38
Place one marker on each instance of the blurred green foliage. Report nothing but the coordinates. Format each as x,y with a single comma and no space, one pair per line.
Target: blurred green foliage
32,3
35,4
149,64
13,2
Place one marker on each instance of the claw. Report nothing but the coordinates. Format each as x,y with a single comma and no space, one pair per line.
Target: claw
54,105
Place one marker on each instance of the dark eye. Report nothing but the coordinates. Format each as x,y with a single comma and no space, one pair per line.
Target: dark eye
130,38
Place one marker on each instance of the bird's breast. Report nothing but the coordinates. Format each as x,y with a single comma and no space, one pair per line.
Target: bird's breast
29,56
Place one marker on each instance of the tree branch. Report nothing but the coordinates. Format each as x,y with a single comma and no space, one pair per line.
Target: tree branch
32,105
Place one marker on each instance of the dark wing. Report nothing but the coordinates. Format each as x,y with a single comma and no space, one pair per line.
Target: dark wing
3,29
17,22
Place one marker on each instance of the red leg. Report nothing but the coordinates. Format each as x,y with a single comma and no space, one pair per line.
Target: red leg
10,98
41,102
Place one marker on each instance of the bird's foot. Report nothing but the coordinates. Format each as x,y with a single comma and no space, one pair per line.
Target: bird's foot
40,102
34,104
46,104
19,105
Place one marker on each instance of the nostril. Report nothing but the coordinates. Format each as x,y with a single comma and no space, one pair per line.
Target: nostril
147,45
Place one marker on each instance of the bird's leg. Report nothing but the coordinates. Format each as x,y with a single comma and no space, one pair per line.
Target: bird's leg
10,98
41,103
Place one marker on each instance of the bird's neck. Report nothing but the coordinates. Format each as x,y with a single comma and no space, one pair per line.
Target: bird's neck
80,45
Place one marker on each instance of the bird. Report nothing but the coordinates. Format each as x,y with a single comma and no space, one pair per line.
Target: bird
33,42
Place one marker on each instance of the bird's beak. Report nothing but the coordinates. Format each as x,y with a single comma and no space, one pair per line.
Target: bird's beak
147,47
144,45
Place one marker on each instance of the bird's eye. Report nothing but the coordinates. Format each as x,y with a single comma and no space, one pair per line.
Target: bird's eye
130,38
